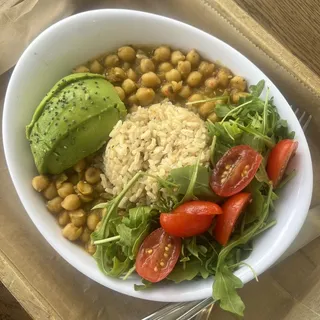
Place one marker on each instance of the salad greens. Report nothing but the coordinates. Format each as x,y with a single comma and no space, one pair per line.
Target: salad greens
254,122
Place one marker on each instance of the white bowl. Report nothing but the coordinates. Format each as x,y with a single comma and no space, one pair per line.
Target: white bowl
74,40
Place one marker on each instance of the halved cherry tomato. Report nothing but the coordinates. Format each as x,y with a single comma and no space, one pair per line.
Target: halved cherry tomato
226,222
157,256
235,170
279,158
190,219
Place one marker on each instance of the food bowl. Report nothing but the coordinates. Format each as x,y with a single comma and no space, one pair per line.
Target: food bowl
74,40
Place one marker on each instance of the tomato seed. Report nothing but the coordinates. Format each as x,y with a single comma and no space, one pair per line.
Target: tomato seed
149,251
155,269
162,264
165,255
169,245
166,248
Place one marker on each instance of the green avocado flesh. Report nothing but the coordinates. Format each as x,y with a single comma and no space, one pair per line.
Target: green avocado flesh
73,121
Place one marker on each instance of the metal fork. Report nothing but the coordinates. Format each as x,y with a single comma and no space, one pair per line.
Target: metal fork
201,310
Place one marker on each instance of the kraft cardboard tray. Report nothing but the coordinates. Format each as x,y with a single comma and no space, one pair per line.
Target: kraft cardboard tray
49,288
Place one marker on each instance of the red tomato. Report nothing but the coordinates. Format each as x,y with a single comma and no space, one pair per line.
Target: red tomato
279,158
157,256
199,208
235,170
226,222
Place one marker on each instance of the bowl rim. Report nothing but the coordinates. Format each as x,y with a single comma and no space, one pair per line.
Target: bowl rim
245,273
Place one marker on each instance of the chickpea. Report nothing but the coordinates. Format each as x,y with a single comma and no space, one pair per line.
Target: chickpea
133,108
185,92
92,175
162,54
84,198
63,218
81,69
165,67
74,179
211,83
193,57
71,232
132,75
39,183
206,68
50,192
78,217
196,97
173,75
223,77
213,117
54,205
71,202
120,93
128,86
145,96
206,108
112,60
176,86
127,54
92,220
99,188
167,91
65,189
85,237
146,65
150,80
84,188
238,83
194,79
90,248
116,74
177,56
184,67
96,67
235,96
126,66
80,165
60,179
133,100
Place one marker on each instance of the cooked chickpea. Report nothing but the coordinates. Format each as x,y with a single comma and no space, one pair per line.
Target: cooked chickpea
71,232
63,218
193,57
39,183
173,75
177,56
74,179
145,96
60,179
213,117
71,202
65,189
238,83
96,67
133,100
92,175
176,86
84,188
54,205
133,108
78,217
184,67
150,80
116,74
196,97
206,68
80,165
50,192
167,91
206,108
84,198
146,65
92,220
90,248
85,237
185,92
128,86
162,53
121,92
235,96
165,67
111,60
223,77
211,83
81,69
99,188
132,75
194,79
127,54
126,66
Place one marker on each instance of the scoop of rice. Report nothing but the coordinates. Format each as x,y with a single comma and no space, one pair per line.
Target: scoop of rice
154,140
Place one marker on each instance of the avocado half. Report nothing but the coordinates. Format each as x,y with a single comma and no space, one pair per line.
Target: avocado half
73,121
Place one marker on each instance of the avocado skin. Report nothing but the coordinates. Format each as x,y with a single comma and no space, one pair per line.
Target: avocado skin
73,121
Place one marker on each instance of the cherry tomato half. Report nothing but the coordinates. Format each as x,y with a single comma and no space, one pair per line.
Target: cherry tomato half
235,170
226,222
157,256
279,158
199,208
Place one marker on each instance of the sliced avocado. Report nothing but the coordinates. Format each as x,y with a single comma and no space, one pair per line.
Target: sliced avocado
73,121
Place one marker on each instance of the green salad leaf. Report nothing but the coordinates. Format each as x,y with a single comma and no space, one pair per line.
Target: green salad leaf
257,89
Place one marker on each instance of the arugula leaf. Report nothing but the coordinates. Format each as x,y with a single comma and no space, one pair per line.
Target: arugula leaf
225,290
255,208
188,271
222,110
261,174
145,285
257,89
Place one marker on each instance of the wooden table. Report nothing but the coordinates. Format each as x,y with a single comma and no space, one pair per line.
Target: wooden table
291,290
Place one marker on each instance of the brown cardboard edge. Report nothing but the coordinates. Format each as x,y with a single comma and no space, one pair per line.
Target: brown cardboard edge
268,45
